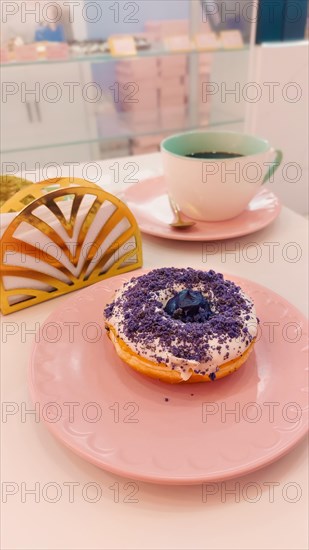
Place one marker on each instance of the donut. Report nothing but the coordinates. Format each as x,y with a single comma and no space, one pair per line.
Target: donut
181,325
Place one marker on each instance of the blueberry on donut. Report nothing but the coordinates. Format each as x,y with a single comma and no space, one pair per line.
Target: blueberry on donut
182,325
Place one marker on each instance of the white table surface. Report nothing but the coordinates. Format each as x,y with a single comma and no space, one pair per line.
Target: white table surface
171,517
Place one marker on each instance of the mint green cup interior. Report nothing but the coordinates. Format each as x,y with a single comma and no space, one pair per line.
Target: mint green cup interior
220,142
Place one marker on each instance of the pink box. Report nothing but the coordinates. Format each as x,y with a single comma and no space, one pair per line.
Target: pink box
204,70
174,111
141,117
147,88
173,72
176,100
171,61
153,34
204,78
4,55
168,69
145,103
173,117
205,58
175,123
147,62
204,108
137,150
144,150
138,68
26,52
174,28
204,91
172,90
131,75
144,127
173,82
57,50
140,110
146,79
170,27
152,25
170,101
134,92
204,67
135,89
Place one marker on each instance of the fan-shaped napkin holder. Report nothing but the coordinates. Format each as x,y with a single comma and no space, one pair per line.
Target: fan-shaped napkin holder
65,234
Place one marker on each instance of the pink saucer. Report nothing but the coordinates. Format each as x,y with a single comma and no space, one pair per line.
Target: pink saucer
144,429
149,202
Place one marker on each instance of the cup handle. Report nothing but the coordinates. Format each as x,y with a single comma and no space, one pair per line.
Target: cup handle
275,164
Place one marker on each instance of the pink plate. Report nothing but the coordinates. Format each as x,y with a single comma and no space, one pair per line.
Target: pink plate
144,429
149,202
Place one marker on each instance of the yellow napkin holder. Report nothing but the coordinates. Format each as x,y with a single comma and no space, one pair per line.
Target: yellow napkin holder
62,235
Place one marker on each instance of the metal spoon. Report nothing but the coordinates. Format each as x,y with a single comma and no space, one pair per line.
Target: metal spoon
178,222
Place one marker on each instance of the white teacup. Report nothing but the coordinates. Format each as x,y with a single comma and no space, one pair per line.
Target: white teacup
216,189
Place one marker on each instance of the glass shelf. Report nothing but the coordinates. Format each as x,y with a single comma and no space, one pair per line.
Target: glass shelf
104,58
129,135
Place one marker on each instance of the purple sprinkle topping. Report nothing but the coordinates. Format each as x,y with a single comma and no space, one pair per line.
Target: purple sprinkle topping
146,321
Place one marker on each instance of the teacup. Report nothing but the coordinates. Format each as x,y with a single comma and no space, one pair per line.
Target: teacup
220,186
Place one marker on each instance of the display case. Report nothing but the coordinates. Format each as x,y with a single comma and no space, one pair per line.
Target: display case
126,76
